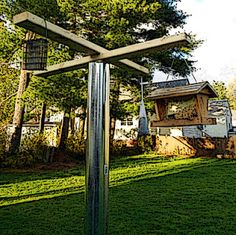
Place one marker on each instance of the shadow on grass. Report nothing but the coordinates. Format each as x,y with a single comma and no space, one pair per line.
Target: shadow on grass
61,215
49,193
13,177
196,199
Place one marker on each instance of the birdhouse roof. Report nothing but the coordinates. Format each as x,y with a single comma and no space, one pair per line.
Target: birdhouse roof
191,89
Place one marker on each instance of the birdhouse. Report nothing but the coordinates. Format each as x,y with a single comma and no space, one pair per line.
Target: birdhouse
35,54
183,105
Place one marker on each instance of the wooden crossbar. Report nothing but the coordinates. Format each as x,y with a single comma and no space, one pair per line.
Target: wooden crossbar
117,54
44,28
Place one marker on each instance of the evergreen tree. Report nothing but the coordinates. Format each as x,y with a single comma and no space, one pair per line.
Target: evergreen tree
221,90
111,24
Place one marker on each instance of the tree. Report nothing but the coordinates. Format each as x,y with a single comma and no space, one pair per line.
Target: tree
231,87
7,10
66,91
111,24
221,90
114,24
9,74
8,88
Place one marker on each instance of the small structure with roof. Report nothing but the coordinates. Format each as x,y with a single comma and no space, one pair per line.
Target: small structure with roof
183,105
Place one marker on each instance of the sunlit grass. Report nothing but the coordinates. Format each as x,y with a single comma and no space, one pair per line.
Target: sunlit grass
148,195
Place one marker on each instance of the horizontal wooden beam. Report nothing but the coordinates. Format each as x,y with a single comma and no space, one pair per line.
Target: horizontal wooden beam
148,47
47,29
151,46
44,28
83,63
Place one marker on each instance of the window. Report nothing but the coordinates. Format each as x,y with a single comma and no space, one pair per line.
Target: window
127,121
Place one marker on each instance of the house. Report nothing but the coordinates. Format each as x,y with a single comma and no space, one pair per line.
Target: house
127,128
187,131
220,110
30,129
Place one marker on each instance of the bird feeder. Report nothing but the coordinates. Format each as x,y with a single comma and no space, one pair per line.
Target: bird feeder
182,105
35,54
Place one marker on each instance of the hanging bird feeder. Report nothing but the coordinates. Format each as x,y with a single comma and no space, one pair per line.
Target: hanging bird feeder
35,54
143,122
182,105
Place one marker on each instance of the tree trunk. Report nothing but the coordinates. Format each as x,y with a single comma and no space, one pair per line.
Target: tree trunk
42,118
15,138
64,129
115,95
72,126
82,113
112,128
19,113
82,127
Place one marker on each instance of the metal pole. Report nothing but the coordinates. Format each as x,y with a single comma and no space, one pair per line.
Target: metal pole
97,155
141,83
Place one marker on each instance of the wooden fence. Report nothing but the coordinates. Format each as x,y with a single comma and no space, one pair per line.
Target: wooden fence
206,147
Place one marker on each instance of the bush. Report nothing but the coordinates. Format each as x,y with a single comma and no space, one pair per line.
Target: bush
120,148
76,146
33,150
3,142
146,144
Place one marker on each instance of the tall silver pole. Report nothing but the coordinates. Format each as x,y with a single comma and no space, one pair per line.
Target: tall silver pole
141,83
97,155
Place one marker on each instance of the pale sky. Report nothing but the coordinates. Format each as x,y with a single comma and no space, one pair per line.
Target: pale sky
213,21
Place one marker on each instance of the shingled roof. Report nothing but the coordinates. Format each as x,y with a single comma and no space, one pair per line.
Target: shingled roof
191,89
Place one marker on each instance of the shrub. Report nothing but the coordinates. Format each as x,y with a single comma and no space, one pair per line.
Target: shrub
120,148
146,144
3,142
33,150
76,146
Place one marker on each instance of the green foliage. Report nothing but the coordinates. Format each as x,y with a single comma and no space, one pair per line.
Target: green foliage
63,91
119,148
9,45
33,150
47,9
145,144
76,146
221,90
111,24
3,144
8,88
231,87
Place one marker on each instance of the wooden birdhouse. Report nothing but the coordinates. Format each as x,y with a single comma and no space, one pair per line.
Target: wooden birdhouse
183,105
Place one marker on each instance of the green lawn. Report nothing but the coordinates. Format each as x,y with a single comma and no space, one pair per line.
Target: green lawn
148,195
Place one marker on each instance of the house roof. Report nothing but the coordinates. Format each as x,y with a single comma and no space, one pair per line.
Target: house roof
167,84
191,89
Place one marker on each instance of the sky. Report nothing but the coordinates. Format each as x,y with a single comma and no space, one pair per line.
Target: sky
213,21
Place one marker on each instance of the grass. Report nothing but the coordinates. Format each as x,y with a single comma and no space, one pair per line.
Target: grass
148,195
